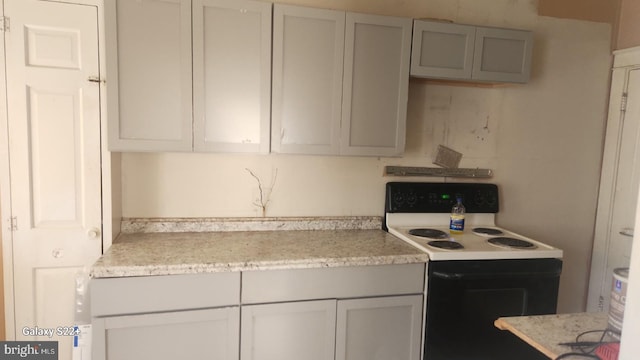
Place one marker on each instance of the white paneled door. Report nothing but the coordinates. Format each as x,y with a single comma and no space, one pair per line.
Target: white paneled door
619,187
53,92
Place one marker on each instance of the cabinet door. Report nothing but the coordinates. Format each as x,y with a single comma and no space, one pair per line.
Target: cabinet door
199,334
442,50
289,331
149,57
308,48
231,75
502,55
376,84
379,328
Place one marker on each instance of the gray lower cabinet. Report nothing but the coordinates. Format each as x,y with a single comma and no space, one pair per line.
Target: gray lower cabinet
364,312
360,312
354,329
211,334
379,328
289,331
166,317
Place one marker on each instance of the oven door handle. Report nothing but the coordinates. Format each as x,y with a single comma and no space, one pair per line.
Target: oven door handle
470,276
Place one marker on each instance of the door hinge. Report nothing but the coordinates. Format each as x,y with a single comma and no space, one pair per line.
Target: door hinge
623,102
13,223
5,24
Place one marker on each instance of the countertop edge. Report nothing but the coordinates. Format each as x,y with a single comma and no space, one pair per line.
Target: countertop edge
98,272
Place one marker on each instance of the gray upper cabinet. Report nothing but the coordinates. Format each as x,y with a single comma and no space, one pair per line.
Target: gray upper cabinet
150,99
502,55
159,101
376,85
231,75
463,52
340,82
308,51
198,75
442,50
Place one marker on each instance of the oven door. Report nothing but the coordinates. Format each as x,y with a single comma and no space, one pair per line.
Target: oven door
464,298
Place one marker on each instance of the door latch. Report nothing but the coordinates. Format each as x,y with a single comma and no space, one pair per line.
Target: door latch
5,24
96,79
13,223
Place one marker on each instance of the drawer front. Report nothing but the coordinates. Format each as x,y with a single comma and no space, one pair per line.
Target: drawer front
330,283
131,295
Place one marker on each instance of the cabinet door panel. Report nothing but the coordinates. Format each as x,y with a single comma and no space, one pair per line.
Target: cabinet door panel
231,75
376,83
200,334
442,50
150,99
502,55
379,328
289,331
308,48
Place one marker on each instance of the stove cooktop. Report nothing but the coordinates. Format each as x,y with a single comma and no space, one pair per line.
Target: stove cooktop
418,213
472,246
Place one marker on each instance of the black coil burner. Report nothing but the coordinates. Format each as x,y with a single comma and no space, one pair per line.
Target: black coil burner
512,243
446,244
488,231
429,233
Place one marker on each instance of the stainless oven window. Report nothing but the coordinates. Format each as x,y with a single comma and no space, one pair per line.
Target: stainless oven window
464,298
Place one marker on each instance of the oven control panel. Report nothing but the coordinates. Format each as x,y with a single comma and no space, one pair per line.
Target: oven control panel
415,197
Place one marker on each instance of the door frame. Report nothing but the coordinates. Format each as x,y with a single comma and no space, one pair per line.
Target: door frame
624,61
109,170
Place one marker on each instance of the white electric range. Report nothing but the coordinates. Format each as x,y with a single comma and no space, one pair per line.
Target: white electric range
418,213
475,277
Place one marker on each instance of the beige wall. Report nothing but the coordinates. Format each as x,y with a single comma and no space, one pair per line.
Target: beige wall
623,15
629,25
543,140
591,10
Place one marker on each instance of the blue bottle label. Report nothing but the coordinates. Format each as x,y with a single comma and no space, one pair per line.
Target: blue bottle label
456,224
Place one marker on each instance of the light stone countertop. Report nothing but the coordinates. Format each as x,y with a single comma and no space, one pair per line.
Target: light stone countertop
143,225
546,332
166,253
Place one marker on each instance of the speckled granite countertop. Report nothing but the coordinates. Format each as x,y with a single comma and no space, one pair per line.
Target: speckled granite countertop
165,253
546,332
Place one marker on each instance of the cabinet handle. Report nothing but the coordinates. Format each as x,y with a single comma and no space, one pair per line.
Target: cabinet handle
627,232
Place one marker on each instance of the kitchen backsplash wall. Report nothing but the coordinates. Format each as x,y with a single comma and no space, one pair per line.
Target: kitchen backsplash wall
544,136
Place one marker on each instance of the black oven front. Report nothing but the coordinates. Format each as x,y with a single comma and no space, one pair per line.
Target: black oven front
465,297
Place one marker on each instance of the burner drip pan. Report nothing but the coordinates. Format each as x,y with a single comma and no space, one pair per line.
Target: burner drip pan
429,233
446,244
487,231
511,243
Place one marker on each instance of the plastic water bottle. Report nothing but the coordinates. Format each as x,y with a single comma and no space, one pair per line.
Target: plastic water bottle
456,225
